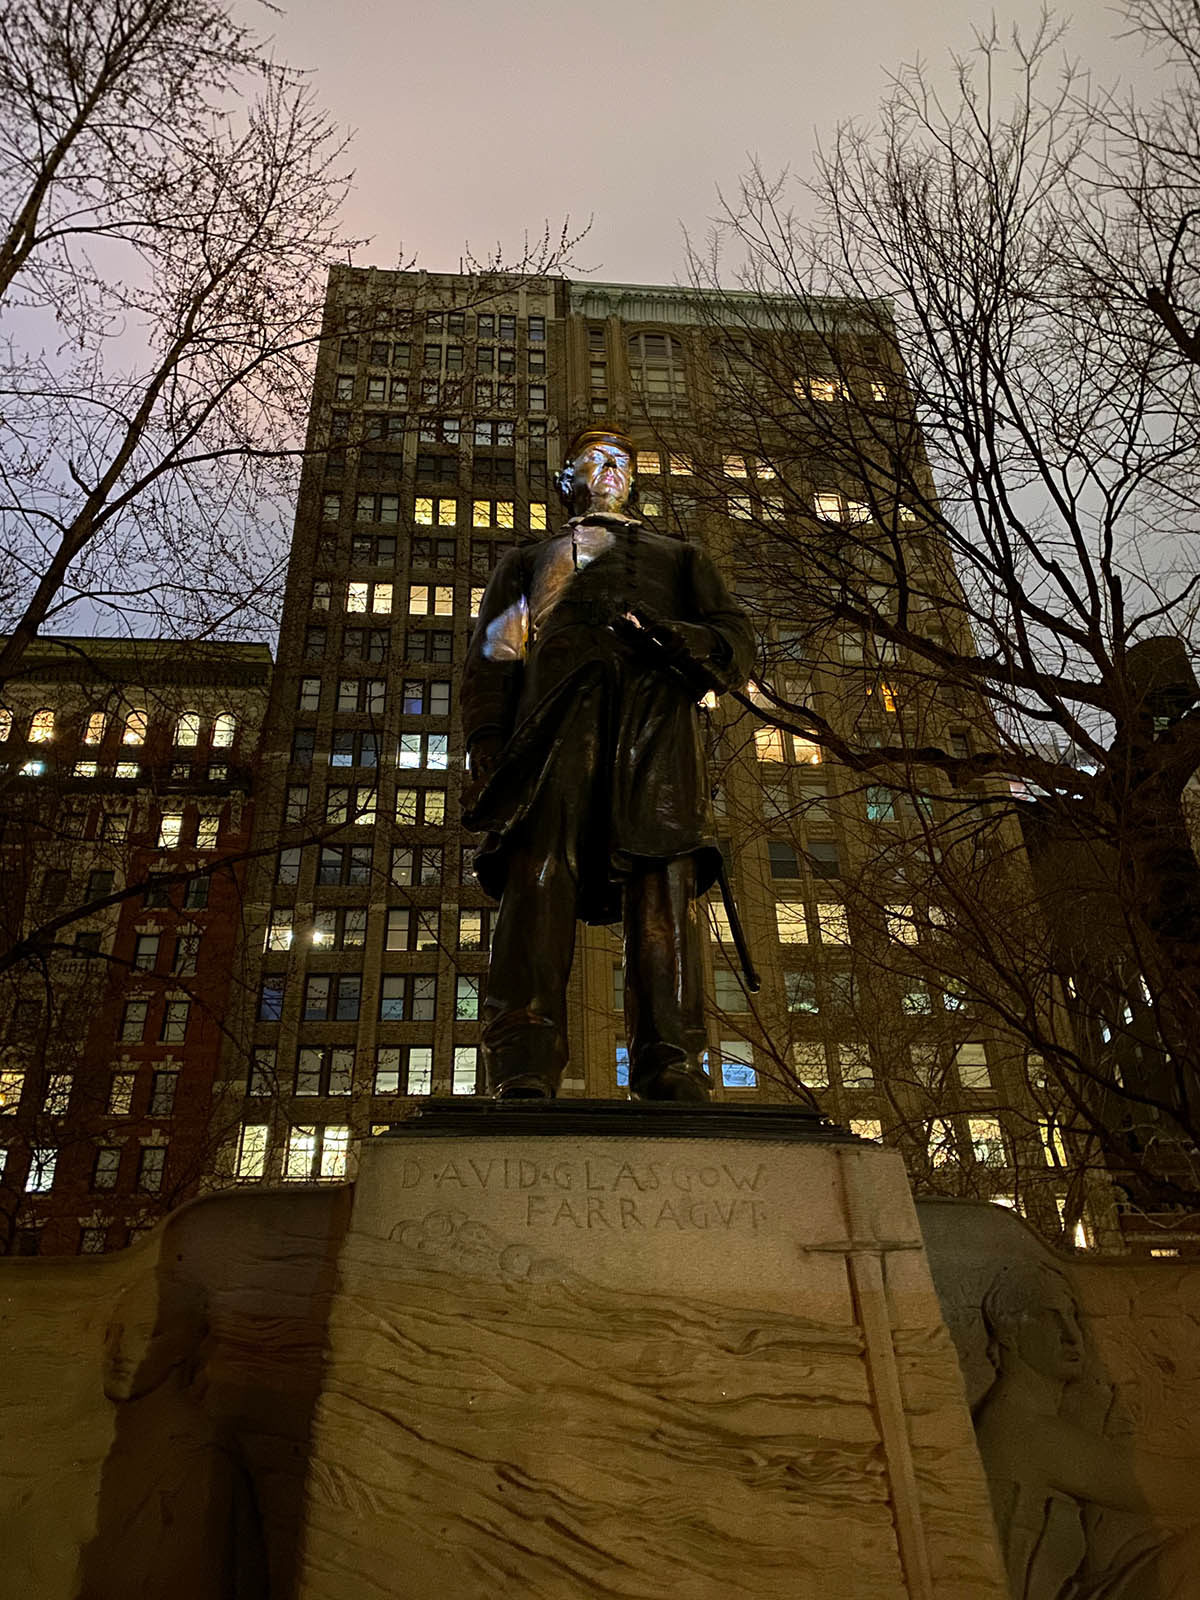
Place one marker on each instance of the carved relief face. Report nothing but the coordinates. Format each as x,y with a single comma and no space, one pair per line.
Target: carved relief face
1049,1339
607,472
138,1353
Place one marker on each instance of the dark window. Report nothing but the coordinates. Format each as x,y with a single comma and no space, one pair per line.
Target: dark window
87,944
314,643
332,997
537,330
106,1166
801,991
288,868
162,1093
303,743
783,860
195,894
437,647
99,884
823,859
151,1164
344,864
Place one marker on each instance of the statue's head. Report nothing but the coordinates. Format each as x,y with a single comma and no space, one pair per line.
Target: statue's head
598,475
152,1331
1032,1318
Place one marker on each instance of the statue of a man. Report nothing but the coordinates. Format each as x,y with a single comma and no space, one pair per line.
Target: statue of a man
580,703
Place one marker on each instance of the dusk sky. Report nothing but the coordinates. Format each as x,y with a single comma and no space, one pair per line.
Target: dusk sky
477,121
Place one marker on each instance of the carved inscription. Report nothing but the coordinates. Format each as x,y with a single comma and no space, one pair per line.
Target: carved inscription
600,1193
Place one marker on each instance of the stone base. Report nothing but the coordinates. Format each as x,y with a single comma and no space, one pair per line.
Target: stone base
586,1349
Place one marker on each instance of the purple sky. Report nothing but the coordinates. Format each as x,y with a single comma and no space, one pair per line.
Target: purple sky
476,121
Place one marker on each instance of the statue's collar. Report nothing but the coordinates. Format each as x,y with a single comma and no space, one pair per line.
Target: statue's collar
603,519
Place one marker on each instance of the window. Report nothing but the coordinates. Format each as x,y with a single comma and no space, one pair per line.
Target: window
340,927
537,397
187,731
162,1092
270,999
99,884
135,728
407,997
403,1069
880,804
866,1127
987,1141
287,869
902,924
791,921
435,511
86,943
854,1065
728,993
805,751
58,1094
537,516
126,769
303,743
972,1064
823,860
332,997
12,1082
374,597
175,1021
831,919
350,749
344,864
810,1065
423,750
133,1021
145,951
800,991
466,1070
782,859
251,1158
6,726
324,1071
768,744
412,929
42,1161
425,600
537,330
106,1166
308,695
656,366
431,647
186,954
170,829
622,1065
466,997
41,727
472,928
737,1071
208,827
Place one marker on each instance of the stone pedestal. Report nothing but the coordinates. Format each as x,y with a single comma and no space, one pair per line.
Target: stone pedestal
596,1350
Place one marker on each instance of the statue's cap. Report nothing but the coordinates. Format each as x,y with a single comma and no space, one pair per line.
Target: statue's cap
587,437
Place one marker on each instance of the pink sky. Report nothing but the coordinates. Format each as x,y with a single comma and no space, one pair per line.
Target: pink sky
476,121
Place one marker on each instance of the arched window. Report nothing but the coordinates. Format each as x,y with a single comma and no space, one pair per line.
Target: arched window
41,727
5,723
187,730
93,728
135,728
658,370
224,729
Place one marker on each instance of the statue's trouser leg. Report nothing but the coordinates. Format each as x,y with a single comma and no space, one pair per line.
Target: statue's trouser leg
664,986
525,1006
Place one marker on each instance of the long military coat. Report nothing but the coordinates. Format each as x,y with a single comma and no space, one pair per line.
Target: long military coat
594,719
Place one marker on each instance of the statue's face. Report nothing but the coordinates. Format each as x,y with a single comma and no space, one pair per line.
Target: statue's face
1049,1339
607,472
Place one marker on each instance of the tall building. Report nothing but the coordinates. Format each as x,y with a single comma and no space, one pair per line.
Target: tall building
126,770
441,408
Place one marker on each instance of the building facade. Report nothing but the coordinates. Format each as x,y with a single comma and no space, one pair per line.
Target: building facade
127,771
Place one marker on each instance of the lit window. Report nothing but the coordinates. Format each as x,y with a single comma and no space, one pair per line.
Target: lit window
810,1065
187,730
681,466
537,517
120,1094
941,1143
127,769
791,921
252,1151
476,601
881,805
718,919
735,466
827,390
301,1152
972,1064
58,1094
41,727
828,506
737,1071
901,924
649,463
768,744
32,769
12,1081
740,508
6,724
87,769
40,1179
335,1145
466,997
805,751
854,1065
466,1069
93,728
831,919
135,728
866,1127
207,829
987,1140
170,829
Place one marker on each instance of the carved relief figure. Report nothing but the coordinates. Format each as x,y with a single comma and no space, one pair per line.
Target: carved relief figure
177,1513
580,705
1072,1503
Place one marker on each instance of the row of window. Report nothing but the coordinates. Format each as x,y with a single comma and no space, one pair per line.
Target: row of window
374,645
406,928
349,748
424,600
418,696
43,1163
133,726
397,1069
337,997
435,511
488,325
57,1093
436,393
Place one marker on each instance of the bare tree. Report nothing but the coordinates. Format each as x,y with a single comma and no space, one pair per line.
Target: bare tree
959,468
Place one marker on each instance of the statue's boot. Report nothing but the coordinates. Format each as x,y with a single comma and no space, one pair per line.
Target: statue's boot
524,1056
666,1072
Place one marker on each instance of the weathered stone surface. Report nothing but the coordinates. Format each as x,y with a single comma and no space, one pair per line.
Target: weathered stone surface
1085,1379
632,1366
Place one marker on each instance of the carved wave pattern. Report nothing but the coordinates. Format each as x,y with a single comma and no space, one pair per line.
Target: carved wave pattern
494,1423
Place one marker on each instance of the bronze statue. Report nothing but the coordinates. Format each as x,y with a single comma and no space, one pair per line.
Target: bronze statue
580,704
